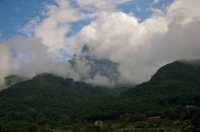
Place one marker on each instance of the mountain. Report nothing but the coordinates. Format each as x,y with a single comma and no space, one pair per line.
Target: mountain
94,66
166,94
11,80
48,98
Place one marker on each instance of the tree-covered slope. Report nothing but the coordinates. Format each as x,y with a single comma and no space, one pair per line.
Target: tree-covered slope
175,84
178,71
13,79
48,98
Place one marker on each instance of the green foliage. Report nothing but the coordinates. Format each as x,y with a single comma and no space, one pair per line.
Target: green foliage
91,129
76,129
122,125
109,127
32,128
141,125
22,127
170,90
49,99
196,121
13,79
167,122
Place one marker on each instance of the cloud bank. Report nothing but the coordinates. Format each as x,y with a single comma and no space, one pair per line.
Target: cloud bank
139,48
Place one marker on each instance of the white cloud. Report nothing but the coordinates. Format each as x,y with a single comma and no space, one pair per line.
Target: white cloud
101,4
56,25
101,80
54,28
138,8
17,9
184,11
139,48
156,12
43,13
4,63
29,29
33,58
155,1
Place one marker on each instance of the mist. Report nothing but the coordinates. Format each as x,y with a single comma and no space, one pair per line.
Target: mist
4,63
139,48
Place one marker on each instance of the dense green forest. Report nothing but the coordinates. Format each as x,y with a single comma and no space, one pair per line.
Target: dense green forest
166,94
50,99
172,93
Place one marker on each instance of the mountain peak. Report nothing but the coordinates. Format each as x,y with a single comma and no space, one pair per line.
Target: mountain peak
96,68
85,49
178,70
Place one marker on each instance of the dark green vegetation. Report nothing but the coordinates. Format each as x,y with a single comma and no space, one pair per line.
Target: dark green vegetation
49,99
22,127
13,79
167,94
155,124
173,93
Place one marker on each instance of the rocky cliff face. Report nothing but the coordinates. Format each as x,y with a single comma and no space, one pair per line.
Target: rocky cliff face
89,67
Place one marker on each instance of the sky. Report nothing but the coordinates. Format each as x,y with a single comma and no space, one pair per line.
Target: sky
140,35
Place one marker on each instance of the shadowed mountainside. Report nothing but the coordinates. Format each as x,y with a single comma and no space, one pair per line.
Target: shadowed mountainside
175,84
48,98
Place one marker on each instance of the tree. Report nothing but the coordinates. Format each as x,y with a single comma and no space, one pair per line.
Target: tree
182,115
196,121
32,128
76,129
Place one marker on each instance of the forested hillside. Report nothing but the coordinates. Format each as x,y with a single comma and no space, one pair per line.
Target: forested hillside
50,99
170,90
